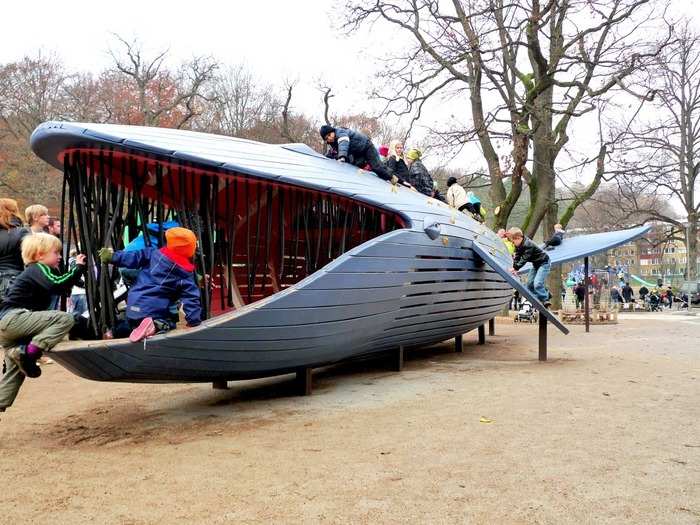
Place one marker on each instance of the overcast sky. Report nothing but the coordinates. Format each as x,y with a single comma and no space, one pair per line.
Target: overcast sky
277,39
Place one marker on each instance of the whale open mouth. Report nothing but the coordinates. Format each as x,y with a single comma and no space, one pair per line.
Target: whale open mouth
256,237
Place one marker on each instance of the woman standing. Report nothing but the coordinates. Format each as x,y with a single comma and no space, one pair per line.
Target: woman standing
11,235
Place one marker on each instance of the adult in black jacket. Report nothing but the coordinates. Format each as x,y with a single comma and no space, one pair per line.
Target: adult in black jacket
11,235
527,251
418,175
627,293
354,147
580,292
395,164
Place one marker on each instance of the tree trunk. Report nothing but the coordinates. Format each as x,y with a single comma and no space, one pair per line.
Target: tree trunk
543,156
555,278
692,246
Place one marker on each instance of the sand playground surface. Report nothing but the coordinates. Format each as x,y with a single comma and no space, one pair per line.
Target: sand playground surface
607,431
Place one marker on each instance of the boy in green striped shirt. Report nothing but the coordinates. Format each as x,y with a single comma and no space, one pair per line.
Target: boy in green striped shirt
27,326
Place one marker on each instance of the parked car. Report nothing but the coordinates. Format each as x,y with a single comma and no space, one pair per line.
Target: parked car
692,288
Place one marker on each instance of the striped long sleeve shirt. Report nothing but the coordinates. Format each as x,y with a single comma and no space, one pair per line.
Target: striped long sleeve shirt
35,287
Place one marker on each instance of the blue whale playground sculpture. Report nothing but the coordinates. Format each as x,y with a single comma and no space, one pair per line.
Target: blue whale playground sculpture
311,262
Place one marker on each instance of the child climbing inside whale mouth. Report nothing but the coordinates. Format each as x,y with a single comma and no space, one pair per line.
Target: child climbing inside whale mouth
167,276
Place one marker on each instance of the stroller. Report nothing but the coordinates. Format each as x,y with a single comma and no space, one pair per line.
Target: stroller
526,314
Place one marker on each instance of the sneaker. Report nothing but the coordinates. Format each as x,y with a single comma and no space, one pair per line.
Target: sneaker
142,331
547,304
26,364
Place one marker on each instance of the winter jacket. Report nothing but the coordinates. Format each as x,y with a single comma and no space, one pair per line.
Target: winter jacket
456,196
160,283
351,144
627,293
420,179
529,252
36,287
397,167
11,248
556,238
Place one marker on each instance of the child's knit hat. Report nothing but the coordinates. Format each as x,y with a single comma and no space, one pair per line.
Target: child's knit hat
181,241
413,154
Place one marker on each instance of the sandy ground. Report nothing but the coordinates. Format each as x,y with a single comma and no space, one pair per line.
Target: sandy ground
605,432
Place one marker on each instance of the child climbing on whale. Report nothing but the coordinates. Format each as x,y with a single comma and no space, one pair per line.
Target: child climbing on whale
28,325
556,239
167,276
527,251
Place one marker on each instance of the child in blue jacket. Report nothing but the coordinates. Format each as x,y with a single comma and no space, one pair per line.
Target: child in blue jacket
167,275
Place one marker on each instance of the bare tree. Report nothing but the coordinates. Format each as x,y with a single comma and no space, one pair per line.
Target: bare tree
286,108
525,70
617,206
327,96
240,104
31,92
661,155
158,91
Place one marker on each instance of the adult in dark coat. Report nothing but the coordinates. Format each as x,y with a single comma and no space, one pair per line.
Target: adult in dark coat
395,164
355,148
669,297
418,175
627,293
580,292
11,235
615,296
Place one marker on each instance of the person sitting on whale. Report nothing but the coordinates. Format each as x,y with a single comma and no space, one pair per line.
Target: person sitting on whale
557,237
355,148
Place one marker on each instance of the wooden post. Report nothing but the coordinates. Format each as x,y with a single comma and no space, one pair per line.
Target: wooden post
482,334
398,359
458,343
304,381
586,298
543,338
492,326
220,385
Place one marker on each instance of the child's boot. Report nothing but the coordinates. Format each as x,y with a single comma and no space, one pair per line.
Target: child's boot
26,363
146,329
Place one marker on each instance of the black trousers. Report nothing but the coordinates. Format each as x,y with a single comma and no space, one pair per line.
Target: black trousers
371,157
